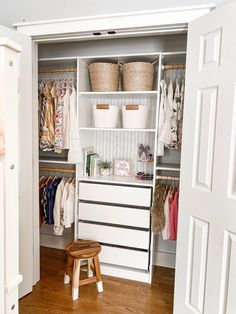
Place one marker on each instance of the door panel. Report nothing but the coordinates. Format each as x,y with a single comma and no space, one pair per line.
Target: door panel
207,218
25,158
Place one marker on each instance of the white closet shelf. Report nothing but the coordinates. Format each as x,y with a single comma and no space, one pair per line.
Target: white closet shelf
169,167
118,180
140,94
116,129
57,162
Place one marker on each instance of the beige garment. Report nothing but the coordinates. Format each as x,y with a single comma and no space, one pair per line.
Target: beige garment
64,201
2,143
57,215
66,119
157,211
69,205
74,147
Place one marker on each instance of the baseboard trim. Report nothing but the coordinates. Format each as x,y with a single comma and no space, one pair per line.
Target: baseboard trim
164,259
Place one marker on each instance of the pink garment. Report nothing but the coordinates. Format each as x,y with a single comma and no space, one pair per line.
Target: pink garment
2,144
173,205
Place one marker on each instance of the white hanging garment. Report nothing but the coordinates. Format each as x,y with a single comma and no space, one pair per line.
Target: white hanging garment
169,134
180,115
66,118
74,145
57,215
68,215
162,117
166,229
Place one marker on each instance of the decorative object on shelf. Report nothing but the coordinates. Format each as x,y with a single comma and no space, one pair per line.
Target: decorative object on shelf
138,76
105,115
104,77
2,142
122,167
134,116
105,168
144,153
144,176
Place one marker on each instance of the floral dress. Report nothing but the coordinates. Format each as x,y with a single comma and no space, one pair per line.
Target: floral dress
169,134
47,128
59,142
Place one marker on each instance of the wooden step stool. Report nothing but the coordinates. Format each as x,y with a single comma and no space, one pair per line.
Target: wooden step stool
78,251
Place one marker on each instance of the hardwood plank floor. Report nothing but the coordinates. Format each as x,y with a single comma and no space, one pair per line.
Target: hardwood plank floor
120,296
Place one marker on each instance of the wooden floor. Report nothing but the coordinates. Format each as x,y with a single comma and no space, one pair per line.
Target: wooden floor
120,296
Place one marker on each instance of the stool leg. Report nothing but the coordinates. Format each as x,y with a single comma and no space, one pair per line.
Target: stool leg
75,281
69,266
98,274
90,265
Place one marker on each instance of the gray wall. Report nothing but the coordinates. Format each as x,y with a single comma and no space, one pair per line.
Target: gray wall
12,11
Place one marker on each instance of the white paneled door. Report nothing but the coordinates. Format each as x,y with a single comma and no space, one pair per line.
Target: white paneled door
24,134
206,250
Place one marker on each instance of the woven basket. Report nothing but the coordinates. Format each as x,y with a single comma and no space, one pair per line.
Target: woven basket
104,77
138,76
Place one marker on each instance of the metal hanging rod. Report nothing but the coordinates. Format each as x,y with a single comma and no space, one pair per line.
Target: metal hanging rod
66,70
64,170
173,66
167,178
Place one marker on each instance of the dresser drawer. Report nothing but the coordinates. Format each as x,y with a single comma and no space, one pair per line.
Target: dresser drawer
114,235
124,257
135,196
115,215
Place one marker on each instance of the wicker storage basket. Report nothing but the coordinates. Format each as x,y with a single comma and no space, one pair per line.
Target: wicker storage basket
138,76
104,77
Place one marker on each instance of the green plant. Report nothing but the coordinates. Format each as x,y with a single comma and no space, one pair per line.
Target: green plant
105,164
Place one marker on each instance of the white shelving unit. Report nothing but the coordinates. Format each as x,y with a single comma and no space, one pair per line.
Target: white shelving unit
111,144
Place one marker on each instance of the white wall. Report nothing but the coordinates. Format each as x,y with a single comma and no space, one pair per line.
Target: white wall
12,11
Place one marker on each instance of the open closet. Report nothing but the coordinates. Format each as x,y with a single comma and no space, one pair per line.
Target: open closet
114,210
118,211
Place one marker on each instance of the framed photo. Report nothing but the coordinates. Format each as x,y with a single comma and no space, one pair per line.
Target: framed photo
122,167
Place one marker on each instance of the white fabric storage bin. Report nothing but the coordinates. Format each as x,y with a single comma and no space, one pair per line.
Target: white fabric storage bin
105,116
134,116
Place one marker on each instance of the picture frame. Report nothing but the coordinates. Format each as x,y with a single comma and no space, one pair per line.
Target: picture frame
122,167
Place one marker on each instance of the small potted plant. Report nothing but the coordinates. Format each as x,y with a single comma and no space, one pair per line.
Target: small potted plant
105,168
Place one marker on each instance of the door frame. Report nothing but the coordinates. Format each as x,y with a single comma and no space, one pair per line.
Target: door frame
133,24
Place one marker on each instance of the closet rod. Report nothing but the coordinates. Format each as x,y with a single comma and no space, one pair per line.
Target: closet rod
167,178
173,66
58,70
65,170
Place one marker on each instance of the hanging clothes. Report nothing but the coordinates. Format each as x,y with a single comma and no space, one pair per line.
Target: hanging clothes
66,118
169,134
74,144
44,199
69,201
166,229
47,124
180,115
174,215
42,183
162,117
157,211
58,117
51,189
59,143
165,211
57,213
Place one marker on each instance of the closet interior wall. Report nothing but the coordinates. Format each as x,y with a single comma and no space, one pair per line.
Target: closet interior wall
65,55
